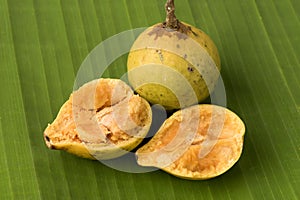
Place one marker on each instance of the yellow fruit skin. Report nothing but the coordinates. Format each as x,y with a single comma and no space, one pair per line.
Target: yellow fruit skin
77,149
193,55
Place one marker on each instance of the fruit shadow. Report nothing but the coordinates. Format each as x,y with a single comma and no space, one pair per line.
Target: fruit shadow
159,115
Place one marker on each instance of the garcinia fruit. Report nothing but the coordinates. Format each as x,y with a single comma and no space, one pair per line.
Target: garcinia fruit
103,119
198,142
173,63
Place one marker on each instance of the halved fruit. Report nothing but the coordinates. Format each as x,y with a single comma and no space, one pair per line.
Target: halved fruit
103,119
199,142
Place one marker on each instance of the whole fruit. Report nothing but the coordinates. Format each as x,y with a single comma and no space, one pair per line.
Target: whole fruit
173,63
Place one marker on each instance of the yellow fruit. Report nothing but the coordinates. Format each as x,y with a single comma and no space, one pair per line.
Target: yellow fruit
173,66
103,119
199,142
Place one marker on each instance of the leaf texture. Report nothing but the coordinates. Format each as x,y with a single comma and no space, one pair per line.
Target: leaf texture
43,44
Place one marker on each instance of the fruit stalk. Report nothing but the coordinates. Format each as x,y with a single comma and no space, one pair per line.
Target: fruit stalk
171,20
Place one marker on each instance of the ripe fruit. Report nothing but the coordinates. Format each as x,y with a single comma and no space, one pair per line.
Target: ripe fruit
199,142
103,119
173,64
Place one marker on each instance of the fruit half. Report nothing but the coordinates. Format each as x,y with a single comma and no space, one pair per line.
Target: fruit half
199,142
103,119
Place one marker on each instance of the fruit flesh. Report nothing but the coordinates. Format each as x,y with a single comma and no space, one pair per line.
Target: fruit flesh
192,54
101,120
216,145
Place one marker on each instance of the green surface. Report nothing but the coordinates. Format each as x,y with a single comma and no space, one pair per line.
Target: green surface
43,43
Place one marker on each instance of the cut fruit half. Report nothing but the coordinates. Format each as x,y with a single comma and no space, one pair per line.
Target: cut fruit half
103,119
199,142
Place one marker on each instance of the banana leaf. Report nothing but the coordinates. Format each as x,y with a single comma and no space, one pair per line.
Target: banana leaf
44,43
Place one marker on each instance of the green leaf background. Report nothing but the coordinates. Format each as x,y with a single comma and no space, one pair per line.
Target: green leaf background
43,43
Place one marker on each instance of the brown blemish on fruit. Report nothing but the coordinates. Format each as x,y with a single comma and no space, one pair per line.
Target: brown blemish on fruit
190,69
47,138
181,32
161,57
159,31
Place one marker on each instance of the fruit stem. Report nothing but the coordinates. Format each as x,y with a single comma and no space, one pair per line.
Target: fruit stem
171,20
